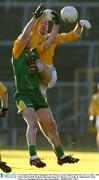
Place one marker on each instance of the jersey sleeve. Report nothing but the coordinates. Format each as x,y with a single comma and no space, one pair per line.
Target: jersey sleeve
66,37
17,48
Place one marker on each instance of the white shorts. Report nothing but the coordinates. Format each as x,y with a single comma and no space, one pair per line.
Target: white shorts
97,121
51,83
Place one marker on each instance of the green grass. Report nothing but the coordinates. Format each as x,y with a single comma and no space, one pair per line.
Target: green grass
19,161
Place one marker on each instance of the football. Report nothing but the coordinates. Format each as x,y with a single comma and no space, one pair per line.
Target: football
69,13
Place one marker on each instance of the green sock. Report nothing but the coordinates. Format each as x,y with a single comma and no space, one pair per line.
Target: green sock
32,150
59,151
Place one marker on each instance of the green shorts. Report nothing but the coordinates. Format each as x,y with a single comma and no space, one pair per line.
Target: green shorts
33,99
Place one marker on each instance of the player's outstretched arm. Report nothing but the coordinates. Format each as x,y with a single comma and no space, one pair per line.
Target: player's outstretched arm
22,40
28,28
55,29
80,25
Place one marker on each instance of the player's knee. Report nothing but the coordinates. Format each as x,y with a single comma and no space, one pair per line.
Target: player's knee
29,117
32,124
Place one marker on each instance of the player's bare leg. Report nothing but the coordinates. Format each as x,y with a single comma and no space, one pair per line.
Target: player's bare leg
49,129
30,117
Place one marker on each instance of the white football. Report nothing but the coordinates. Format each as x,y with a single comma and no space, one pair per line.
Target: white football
69,13
48,14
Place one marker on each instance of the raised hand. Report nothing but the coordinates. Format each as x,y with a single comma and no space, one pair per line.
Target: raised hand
39,11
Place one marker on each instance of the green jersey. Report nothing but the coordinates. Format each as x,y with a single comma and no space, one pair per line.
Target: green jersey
24,80
28,93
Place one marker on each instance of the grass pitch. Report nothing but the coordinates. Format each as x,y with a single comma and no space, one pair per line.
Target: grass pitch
19,162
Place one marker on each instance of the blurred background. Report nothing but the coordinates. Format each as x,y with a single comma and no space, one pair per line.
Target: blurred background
77,66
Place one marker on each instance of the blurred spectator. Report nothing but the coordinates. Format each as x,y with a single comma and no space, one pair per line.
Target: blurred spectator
4,100
3,113
94,113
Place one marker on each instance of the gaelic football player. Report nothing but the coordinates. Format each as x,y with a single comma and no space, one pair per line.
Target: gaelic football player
3,113
30,102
